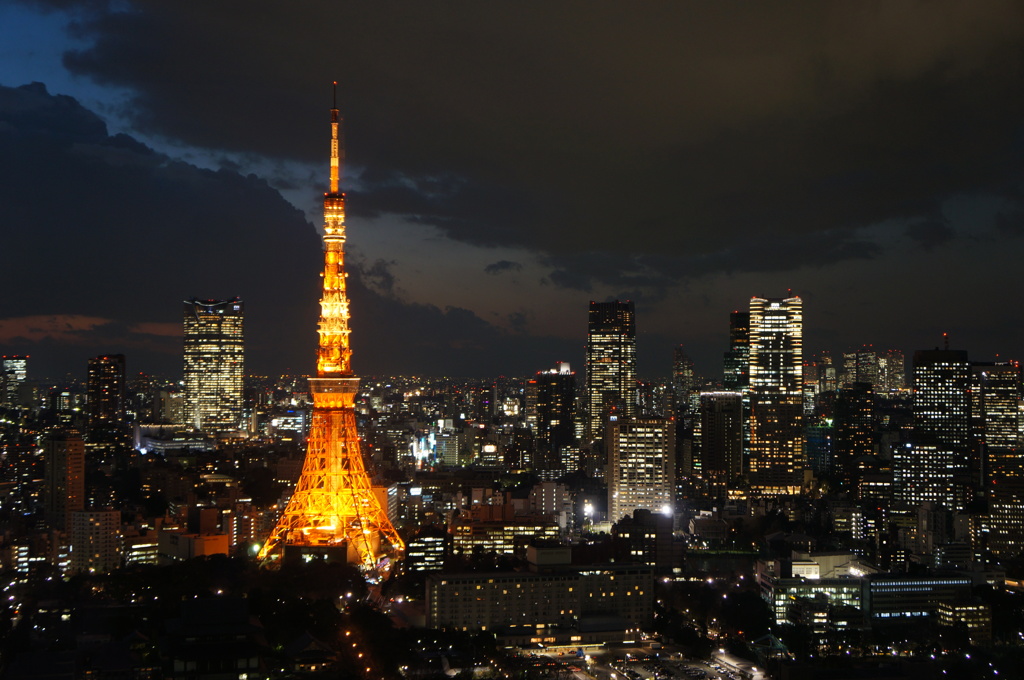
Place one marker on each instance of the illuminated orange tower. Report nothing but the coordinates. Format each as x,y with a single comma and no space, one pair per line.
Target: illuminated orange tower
334,507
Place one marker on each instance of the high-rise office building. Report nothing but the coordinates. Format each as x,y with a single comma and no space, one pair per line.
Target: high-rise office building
1006,517
860,366
719,440
891,370
995,411
935,466
13,373
854,433
553,416
641,465
776,461
64,462
737,359
214,363
828,381
683,382
611,364
105,389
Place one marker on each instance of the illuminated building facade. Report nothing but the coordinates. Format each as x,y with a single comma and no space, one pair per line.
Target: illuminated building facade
891,371
105,389
553,411
214,363
95,541
428,550
641,466
334,508
972,614
1005,523
935,466
64,463
995,410
828,381
13,372
547,602
776,460
502,537
645,538
683,382
854,432
611,364
860,366
720,440
737,359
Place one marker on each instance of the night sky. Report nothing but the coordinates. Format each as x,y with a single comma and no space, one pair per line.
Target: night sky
507,163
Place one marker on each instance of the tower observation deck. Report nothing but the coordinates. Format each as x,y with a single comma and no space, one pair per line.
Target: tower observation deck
334,511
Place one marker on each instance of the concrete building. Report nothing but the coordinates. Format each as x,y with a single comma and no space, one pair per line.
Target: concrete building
95,541
561,606
641,466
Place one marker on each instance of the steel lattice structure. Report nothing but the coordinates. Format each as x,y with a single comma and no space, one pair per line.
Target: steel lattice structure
334,505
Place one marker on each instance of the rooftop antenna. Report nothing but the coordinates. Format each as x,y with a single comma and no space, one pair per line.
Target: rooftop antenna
945,341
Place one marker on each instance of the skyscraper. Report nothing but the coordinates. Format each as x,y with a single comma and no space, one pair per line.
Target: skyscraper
214,363
854,432
935,466
891,370
995,410
860,366
13,372
553,416
105,389
641,465
335,509
776,461
64,461
737,359
720,441
683,381
828,381
611,364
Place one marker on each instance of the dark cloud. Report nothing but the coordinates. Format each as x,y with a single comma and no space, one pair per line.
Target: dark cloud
104,238
641,154
930,233
376,276
1010,222
392,337
682,129
649,277
103,227
503,266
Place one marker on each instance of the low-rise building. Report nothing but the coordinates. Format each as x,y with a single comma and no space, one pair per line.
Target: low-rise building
596,603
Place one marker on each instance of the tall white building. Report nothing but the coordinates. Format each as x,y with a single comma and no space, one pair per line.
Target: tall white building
776,462
214,364
641,466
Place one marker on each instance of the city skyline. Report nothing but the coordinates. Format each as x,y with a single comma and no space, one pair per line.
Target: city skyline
503,177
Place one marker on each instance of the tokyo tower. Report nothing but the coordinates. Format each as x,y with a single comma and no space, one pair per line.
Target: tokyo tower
334,511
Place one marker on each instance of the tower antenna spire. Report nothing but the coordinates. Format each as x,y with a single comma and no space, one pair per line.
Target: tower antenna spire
337,145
